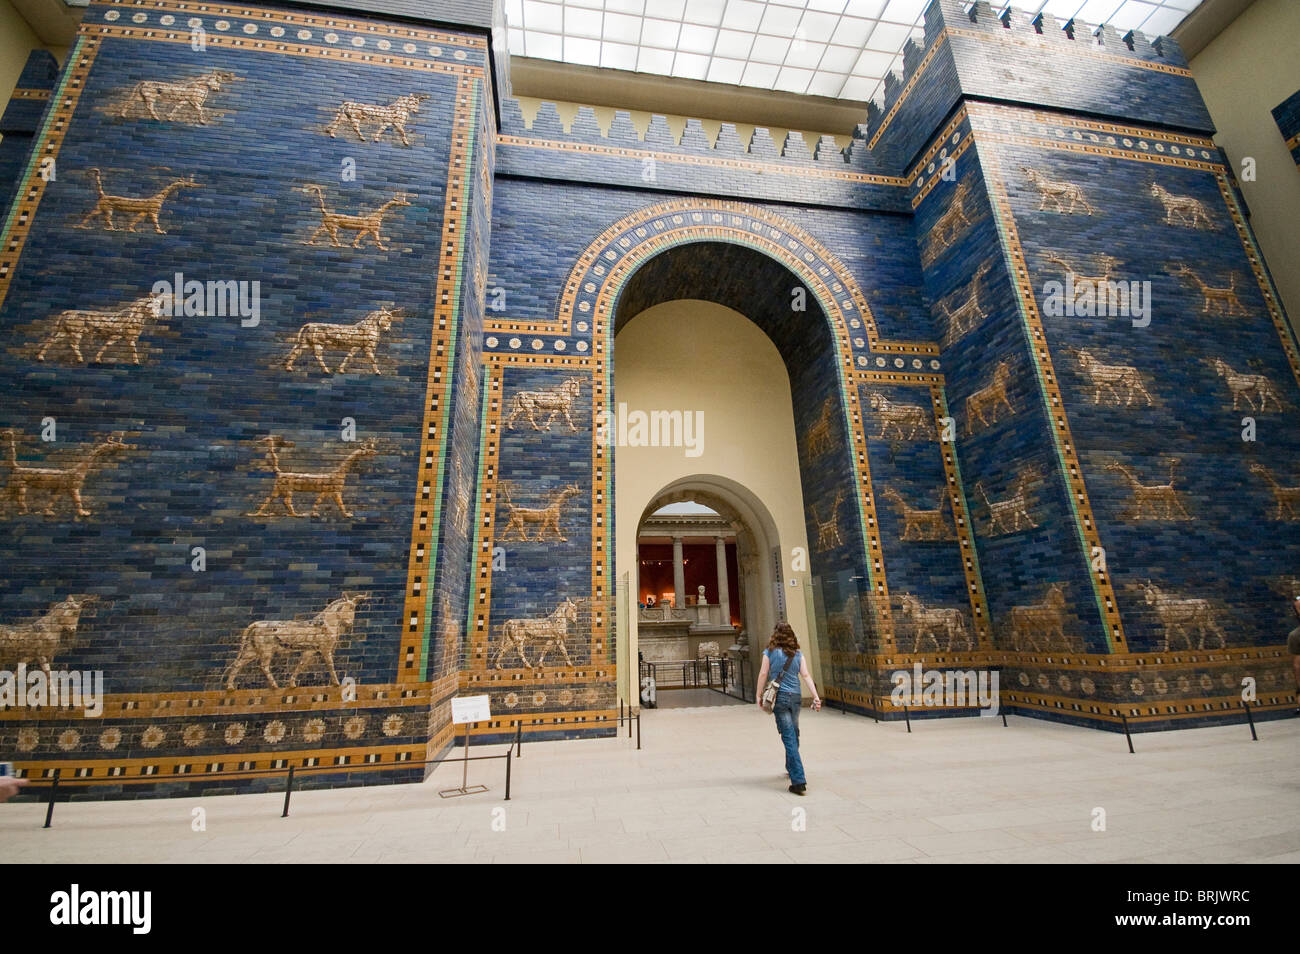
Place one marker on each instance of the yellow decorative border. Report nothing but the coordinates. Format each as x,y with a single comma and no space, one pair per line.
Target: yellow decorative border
418,610
53,130
302,49
911,85
1135,663
963,525
936,147
162,705
563,323
1238,216
377,28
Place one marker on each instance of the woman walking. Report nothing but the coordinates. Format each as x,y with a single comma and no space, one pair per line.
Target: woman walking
783,660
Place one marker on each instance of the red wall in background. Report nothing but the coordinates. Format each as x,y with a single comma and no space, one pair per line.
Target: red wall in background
701,566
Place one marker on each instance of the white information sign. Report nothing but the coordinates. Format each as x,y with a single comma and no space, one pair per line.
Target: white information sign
467,709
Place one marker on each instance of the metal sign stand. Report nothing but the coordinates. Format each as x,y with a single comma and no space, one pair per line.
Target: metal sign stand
464,775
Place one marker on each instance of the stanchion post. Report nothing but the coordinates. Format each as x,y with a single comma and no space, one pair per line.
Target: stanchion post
519,739
49,809
1124,718
629,722
288,790
508,760
1004,719
875,711
464,775
1251,719
638,730
908,716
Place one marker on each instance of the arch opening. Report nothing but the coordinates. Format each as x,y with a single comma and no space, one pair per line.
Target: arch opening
731,334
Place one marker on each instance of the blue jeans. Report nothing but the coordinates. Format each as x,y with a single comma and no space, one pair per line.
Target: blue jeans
786,711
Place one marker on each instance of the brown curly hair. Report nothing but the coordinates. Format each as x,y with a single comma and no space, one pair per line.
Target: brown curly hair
784,639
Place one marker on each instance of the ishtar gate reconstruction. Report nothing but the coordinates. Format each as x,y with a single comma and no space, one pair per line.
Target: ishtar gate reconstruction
342,378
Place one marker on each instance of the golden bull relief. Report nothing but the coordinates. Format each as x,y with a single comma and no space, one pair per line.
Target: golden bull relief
1040,626
394,116
1111,379
1247,387
552,401
185,97
929,622
544,634
1058,192
125,324
1183,617
40,640
989,399
263,640
363,336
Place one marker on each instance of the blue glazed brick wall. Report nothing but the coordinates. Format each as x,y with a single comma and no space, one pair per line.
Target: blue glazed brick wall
1183,559
514,253
1287,116
21,119
208,389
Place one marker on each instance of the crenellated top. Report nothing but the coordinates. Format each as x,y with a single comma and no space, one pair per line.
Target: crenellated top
1077,35
948,17
585,128
943,66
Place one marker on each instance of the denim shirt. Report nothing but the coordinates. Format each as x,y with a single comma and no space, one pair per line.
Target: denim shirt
776,660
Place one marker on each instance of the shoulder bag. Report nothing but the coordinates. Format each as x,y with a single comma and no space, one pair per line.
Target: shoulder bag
774,685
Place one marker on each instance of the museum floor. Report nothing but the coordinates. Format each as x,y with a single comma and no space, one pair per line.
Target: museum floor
708,786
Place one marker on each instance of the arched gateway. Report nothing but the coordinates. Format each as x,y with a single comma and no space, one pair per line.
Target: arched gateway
784,280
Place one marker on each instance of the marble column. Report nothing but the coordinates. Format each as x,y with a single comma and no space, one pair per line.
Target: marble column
724,591
679,575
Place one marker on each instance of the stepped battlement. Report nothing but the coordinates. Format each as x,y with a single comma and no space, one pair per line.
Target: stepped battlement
944,20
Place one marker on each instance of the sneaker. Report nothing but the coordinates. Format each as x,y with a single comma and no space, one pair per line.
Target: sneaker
799,789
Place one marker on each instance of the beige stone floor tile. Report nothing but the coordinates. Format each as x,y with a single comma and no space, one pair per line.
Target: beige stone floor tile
952,843
708,788
858,852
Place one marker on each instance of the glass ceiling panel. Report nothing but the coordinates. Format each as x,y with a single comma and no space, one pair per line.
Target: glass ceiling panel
840,49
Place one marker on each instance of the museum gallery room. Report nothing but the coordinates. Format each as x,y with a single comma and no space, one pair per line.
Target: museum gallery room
945,507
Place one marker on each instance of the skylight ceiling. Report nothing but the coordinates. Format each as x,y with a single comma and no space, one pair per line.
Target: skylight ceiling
837,48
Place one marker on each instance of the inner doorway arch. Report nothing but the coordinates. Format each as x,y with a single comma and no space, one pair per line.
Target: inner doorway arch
759,583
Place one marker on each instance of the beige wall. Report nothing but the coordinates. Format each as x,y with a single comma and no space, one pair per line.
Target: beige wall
696,355
1243,73
16,41
605,116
